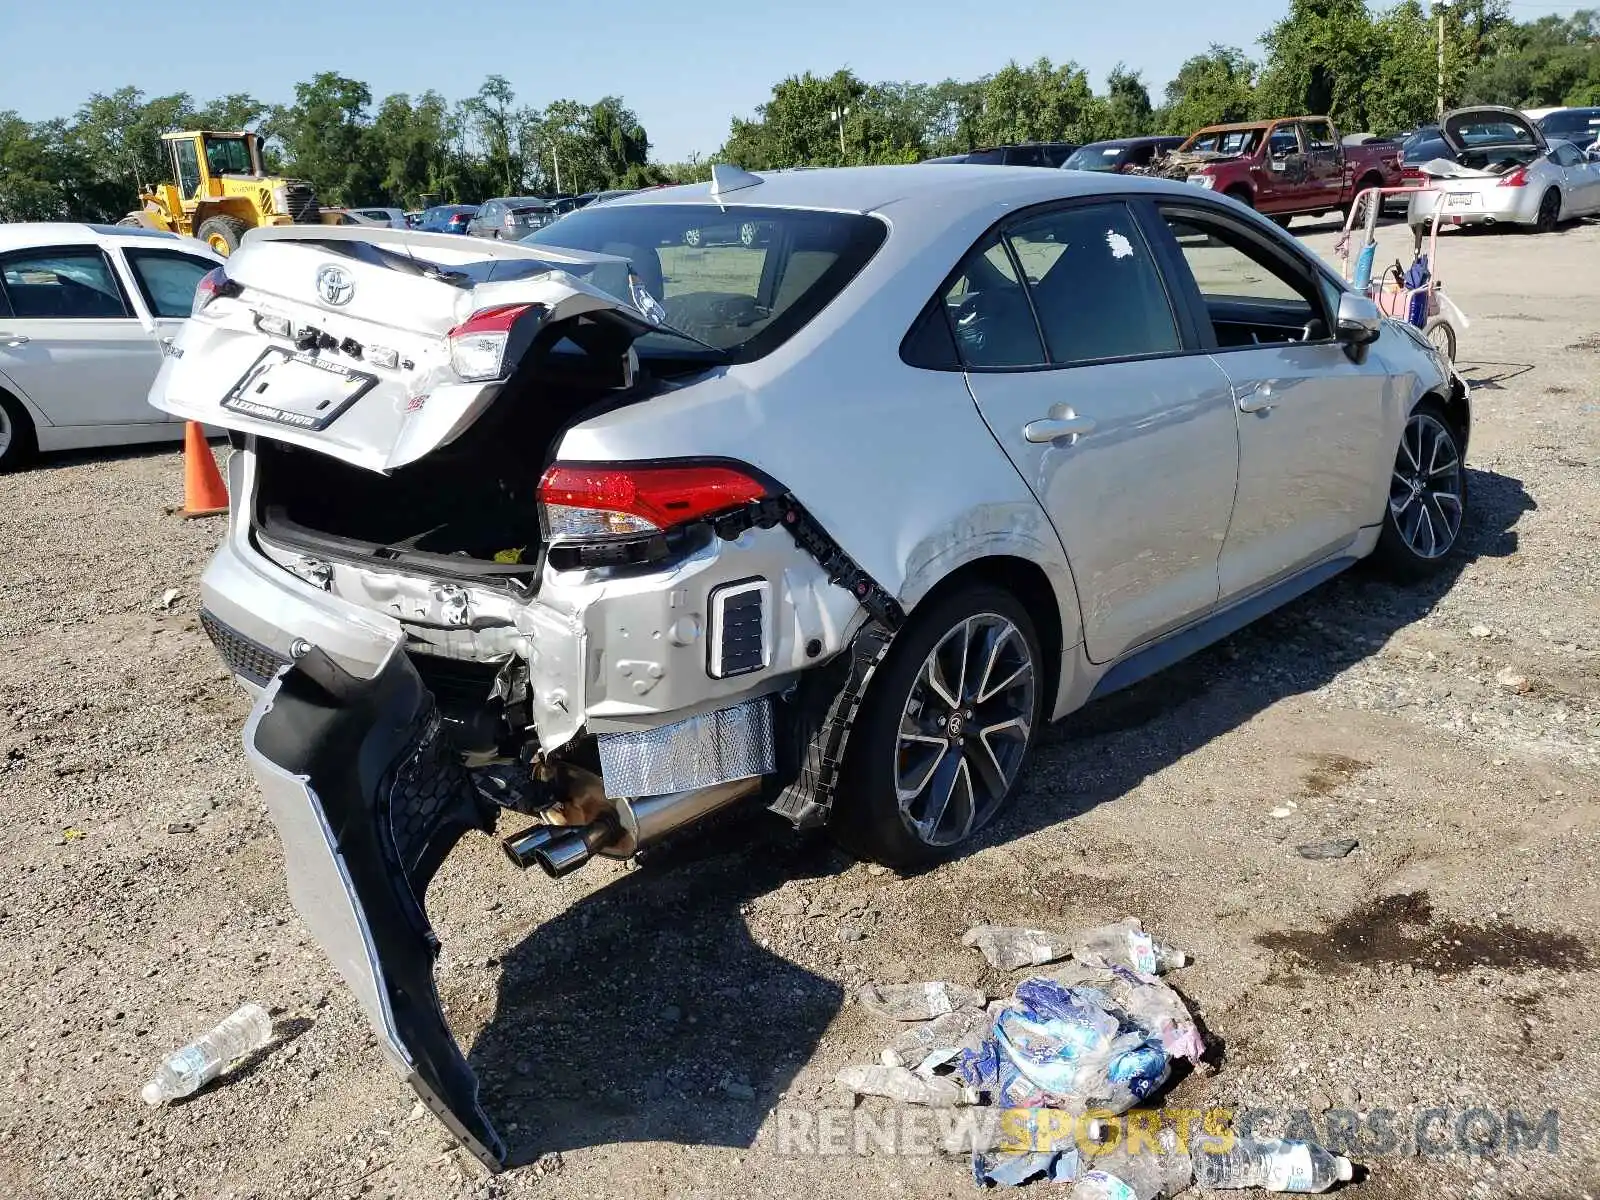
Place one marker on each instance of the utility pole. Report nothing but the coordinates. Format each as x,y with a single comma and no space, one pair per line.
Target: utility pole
839,114
555,158
1443,5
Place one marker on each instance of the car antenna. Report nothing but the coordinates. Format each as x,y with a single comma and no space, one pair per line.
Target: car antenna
725,177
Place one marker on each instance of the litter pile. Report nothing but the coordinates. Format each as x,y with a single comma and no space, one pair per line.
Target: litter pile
1096,1035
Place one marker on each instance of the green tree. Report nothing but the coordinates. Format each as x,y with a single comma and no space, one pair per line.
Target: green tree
326,137
36,181
119,137
1319,58
1210,89
1038,103
1127,108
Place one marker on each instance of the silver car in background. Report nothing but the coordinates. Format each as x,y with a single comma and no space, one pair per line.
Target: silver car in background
598,532
1504,172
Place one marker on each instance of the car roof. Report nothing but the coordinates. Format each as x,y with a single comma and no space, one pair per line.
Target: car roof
1132,141
517,200
907,190
25,234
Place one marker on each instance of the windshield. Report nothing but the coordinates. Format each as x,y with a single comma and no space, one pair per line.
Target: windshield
1231,142
1582,122
228,156
1096,158
741,279
1425,147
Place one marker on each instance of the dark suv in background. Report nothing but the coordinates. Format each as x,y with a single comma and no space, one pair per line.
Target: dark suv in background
1025,154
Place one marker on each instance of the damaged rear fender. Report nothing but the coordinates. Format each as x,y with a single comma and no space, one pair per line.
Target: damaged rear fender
368,799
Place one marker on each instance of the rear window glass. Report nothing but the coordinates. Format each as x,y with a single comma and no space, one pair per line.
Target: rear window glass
742,279
1423,148
1490,131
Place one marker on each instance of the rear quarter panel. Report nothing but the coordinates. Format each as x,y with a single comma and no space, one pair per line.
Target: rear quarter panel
894,461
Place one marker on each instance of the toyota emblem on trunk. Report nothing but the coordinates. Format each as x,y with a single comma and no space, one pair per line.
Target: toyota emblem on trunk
334,285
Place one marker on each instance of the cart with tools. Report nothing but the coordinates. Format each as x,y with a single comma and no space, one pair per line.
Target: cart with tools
1412,294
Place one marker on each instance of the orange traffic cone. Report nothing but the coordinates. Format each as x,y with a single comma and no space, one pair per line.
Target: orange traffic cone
204,493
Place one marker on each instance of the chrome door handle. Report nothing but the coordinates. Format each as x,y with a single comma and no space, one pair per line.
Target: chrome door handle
1257,399
1051,428
15,339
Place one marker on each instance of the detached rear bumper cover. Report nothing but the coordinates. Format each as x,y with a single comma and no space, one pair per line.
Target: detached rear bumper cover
368,801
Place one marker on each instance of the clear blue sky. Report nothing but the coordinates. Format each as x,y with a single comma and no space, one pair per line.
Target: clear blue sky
685,66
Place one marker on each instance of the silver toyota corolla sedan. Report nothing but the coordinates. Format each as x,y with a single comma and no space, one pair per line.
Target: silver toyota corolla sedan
596,533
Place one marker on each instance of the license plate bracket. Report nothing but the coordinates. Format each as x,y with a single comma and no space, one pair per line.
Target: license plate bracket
1460,199
292,387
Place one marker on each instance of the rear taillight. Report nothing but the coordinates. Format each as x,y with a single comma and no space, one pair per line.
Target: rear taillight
1517,178
1411,176
478,344
213,285
585,503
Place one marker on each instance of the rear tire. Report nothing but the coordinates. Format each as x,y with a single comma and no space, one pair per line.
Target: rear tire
1549,212
222,234
1427,504
18,443
921,775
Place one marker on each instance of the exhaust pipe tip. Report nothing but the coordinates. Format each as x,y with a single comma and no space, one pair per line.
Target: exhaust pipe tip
559,850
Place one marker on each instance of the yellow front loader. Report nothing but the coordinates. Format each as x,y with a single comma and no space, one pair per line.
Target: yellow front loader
221,190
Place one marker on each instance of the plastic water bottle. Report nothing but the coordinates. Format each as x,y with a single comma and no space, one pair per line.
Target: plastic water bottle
1149,1172
1126,944
186,1071
906,1086
1276,1166
918,1001
1008,947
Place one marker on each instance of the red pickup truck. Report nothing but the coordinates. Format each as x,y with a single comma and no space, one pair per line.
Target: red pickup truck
1285,167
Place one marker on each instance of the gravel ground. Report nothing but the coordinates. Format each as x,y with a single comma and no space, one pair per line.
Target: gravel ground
644,1031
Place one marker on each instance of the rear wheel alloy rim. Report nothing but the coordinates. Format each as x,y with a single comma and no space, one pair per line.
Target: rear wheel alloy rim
1425,488
1550,210
964,730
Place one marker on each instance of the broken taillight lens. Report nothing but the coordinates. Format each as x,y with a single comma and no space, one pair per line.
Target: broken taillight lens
478,344
213,284
1517,178
582,502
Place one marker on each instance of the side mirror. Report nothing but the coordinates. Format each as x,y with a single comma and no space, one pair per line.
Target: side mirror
1358,322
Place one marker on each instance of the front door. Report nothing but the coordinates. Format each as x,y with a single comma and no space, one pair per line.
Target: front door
1325,169
70,341
1283,185
1122,429
164,282
1313,466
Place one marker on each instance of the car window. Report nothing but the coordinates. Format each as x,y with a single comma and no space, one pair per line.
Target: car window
1319,135
989,311
187,164
1098,158
1566,155
1230,268
227,156
57,284
1094,284
1283,142
741,279
1425,147
167,280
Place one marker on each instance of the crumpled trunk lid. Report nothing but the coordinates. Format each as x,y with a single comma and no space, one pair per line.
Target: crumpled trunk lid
364,371
1489,127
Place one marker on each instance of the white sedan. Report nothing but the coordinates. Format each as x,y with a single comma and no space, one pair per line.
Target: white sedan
86,312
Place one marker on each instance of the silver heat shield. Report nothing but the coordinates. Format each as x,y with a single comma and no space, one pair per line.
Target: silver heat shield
731,743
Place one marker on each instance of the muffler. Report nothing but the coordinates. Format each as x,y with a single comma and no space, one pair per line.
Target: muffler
629,825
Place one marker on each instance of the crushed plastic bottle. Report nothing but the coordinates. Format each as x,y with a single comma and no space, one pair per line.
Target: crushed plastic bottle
186,1071
1120,1174
906,1086
918,1001
1009,947
965,1026
1274,1165
1126,944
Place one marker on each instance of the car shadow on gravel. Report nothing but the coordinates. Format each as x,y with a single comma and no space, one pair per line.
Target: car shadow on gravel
647,1012
1106,749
